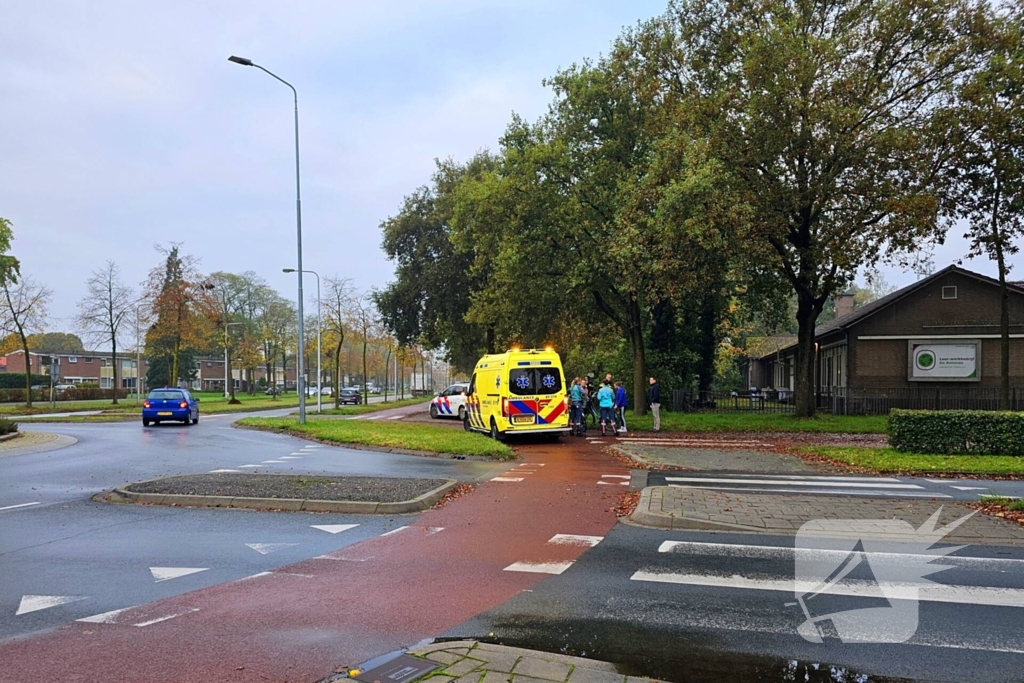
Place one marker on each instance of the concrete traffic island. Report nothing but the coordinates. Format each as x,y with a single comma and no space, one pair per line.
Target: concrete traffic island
289,492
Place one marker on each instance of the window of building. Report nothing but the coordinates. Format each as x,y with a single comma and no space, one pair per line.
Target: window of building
88,359
209,364
949,292
72,359
106,382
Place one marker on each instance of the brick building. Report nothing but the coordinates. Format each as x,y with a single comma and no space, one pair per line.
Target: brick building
84,367
934,343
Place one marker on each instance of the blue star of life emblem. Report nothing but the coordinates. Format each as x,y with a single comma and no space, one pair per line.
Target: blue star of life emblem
523,382
497,382
549,381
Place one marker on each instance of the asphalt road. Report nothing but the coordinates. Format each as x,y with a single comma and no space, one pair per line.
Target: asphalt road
57,542
840,485
634,599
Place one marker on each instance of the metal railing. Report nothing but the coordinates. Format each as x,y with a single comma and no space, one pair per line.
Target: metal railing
846,401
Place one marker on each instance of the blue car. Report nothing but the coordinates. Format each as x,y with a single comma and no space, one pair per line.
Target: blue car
170,404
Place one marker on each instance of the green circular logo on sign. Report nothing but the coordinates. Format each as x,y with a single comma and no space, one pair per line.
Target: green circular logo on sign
924,359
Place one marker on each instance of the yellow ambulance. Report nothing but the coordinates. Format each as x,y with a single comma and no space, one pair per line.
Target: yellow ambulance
521,391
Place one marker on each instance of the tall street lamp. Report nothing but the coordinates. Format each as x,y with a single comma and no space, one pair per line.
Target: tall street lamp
300,382
319,329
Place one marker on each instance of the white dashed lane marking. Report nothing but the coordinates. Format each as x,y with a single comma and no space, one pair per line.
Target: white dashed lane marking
168,573
575,539
507,479
20,505
539,567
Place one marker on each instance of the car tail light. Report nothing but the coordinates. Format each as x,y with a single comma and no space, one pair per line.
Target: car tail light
183,404
504,407
147,404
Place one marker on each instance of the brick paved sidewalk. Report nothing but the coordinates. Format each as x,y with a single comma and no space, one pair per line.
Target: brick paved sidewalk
34,442
670,507
467,661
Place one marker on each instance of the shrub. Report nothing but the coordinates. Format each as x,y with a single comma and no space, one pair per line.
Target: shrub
7,426
974,432
16,380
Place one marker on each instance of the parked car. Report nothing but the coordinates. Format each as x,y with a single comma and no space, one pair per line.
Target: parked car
273,391
61,388
350,395
170,404
326,391
451,402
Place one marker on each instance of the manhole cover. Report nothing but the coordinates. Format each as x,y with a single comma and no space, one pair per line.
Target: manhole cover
402,670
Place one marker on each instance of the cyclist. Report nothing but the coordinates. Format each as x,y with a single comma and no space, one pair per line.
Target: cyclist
577,395
606,399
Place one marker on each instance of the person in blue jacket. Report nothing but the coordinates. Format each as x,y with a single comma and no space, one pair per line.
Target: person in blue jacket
620,407
606,400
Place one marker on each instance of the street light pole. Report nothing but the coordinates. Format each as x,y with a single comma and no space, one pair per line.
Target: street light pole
300,380
319,332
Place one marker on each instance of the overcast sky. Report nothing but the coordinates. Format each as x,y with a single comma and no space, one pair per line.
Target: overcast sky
123,125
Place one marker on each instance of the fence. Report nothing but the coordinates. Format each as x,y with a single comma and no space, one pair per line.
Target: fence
846,401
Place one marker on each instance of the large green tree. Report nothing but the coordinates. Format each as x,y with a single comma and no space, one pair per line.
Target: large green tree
818,112
987,180
434,278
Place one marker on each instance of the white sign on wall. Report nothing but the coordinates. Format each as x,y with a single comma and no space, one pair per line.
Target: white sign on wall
944,361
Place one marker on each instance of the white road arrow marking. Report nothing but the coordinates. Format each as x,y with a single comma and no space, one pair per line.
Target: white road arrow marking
105,618
168,573
265,548
334,528
34,603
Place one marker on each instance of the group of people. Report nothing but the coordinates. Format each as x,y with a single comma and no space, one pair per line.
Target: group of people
611,401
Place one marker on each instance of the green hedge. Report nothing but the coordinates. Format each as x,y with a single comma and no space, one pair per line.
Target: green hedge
948,432
16,380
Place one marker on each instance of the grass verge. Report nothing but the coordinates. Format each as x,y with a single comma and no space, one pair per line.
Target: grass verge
762,422
374,407
414,437
891,461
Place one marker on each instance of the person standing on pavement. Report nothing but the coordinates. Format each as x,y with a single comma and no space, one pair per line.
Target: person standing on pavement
620,407
577,396
606,400
654,397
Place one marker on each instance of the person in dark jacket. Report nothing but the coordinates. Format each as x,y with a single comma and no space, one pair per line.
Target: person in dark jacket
654,397
620,407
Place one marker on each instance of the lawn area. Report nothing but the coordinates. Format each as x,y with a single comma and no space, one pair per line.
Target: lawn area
891,461
372,407
762,422
416,437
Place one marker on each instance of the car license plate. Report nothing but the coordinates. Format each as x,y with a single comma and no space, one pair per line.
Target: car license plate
165,412
522,419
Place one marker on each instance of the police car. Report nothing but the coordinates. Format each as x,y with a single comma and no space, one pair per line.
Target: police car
450,403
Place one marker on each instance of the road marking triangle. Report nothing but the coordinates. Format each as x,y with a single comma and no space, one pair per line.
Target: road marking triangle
265,548
334,528
34,603
168,573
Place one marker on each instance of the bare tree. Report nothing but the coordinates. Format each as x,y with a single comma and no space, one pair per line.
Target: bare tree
108,303
363,315
337,295
25,310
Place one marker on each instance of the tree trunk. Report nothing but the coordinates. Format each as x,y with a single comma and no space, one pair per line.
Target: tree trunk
113,357
337,376
174,364
28,368
636,342
806,316
1004,330
366,383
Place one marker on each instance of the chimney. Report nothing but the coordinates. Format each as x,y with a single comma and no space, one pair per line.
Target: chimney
844,304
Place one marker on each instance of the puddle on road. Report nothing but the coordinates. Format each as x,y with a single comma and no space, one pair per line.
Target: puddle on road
698,665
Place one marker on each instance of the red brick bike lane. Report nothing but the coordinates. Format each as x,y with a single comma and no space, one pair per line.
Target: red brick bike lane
301,622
